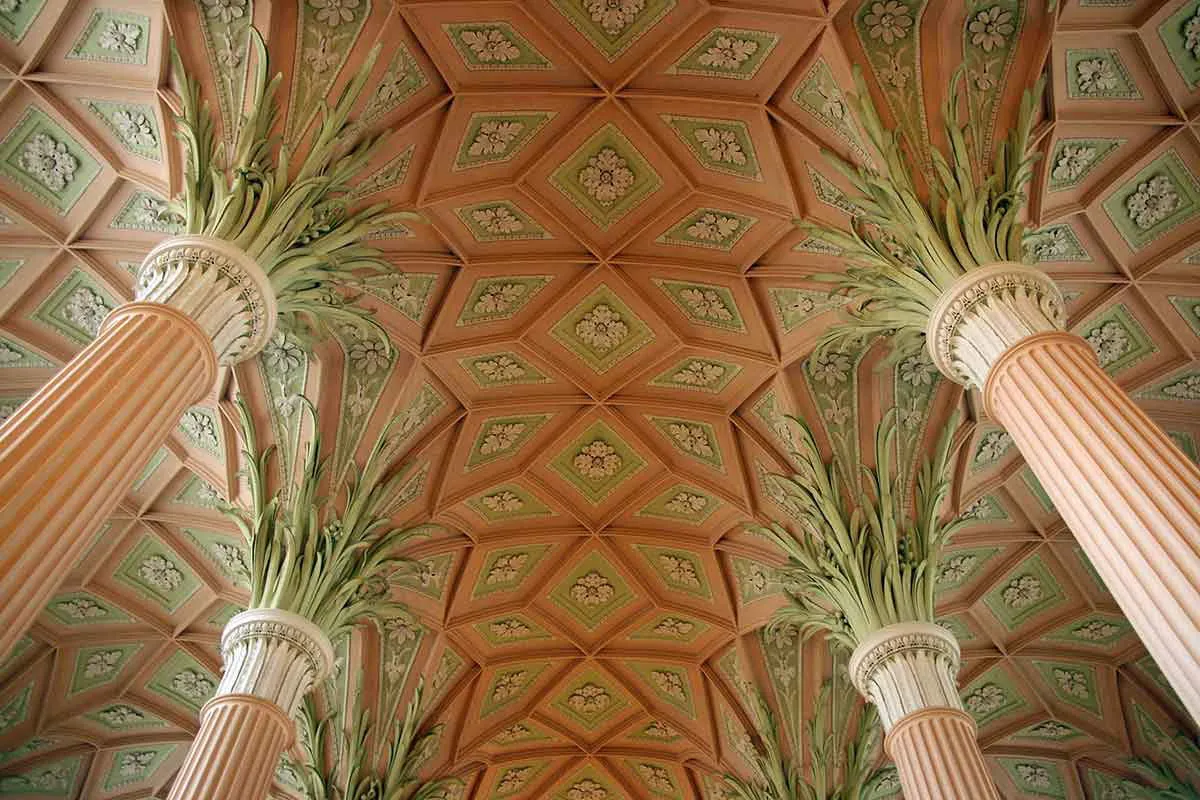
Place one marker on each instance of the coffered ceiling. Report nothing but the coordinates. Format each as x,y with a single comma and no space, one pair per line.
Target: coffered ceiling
595,334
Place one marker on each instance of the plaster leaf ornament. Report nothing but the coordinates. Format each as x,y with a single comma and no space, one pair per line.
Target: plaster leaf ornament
498,221
720,145
1034,775
679,570
992,447
135,128
513,733
1072,682
687,504
502,502
1053,245
499,298
990,28
830,368
674,627
957,568
918,371
513,779
82,608
896,74
501,437
100,664
282,355
193,685
510,629
201,428
606,177
133,764
691,439
699,373
120,37
495,136
728,53
1096,631
659,730
1094,76
9,354
161,573
7,410
225,11
1186,389
614,16
490,45
1023,591
657,778
121,715
150,213
500,368
589,699
49,162
889,21
587,789
1051,729
1152,202
713,228
369,356
669,683
597,461
705,303
509,684
593,589
602,328
1110,341
86,308
978,509
506,568
985,699
334,12
9,6
1191,34
1072,162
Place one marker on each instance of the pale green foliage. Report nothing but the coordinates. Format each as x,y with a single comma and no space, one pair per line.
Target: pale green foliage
330,568
855,567
363,763
293,219
842,735
905,248
1168,783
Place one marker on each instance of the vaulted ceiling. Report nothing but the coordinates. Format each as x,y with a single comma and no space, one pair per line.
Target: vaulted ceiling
596,331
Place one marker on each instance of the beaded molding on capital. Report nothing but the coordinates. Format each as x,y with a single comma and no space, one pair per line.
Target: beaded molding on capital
218,286
905,668
276,655
987,311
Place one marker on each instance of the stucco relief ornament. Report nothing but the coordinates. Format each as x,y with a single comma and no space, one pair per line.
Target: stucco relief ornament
1034,775
990,28
9,6
728,52
135,763
657,778
506,568
720,145
335,12
135,127
100,664
668,683
614,16
889,21
674,627
602,328
120,37
1051,729
985,699
1052,245
513,778
82,608
679,570
49,162
691,439
1023,591
957,567
118,716
497,221
699,373
501,437
589,699
597,461
509,629
161,573
225,11
713,228
495,136
993,445
1072,162
86,309
7,410
1095,76
1072,682
502,502
830,368
593,589
1110,341
501,368
509,684
687,504
606,177
498,298
905,667
706,304
587,789
1152,202
282,355
191,684
1186,389
1191,35
490,45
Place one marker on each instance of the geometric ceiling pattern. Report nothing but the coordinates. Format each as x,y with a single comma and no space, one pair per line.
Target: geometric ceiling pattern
595,333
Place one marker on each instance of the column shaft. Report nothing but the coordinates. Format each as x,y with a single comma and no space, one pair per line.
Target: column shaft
937,757
1130,497
71,452
236,752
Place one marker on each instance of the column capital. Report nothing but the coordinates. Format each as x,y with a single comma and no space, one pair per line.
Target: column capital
274,655
987,311
905,668
218,286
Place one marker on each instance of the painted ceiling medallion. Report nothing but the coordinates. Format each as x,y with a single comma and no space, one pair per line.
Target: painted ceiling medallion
497,138
500,298
494,46
606,178
597,462
720,145
731,53
592,591
601,330
612,26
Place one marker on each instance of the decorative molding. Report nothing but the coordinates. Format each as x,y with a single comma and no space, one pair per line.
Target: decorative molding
986,312
906,668
216,285
274,655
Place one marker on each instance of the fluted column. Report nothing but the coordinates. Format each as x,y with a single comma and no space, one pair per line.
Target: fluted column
909,672
272,659
72,451
1128,494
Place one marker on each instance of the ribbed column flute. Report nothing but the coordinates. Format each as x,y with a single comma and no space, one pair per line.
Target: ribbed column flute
272,659
909,672
72,451
1128,494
